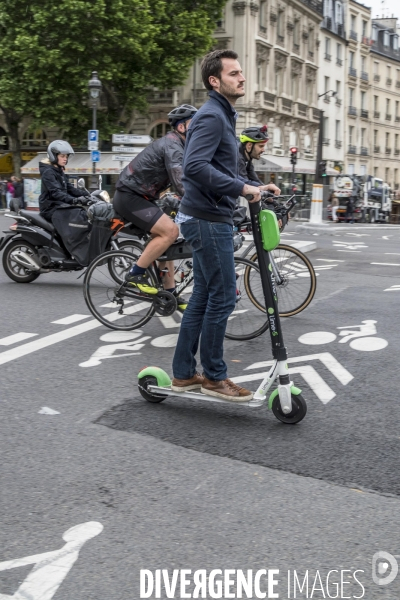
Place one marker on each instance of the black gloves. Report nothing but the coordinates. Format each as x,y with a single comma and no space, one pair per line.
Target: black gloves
83,200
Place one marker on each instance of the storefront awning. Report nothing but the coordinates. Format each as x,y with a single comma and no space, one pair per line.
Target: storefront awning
81,164
272,164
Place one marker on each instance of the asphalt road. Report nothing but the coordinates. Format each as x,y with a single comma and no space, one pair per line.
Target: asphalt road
185,485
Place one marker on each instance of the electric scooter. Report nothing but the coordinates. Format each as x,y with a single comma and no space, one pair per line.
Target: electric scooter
286,401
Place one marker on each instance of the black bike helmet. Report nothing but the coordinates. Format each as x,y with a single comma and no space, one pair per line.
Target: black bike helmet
184,112
58,147
254,135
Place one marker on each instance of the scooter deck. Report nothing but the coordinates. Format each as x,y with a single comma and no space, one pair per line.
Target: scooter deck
167,391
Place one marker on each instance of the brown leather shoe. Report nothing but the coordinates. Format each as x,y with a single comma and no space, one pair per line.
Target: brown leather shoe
225,389
185,385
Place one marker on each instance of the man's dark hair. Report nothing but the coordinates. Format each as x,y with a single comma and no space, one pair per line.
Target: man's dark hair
212,66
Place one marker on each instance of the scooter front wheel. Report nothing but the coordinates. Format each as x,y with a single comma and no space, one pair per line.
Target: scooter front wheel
299,410
143,386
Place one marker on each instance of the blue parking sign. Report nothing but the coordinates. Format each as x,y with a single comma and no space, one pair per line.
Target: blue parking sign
96,155
93,135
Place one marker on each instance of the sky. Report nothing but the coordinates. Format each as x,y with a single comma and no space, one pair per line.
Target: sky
388,7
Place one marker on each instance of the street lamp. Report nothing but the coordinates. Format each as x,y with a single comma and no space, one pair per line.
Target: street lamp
318,176
94,96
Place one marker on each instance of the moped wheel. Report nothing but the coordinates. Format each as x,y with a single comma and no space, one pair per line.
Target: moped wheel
109,301
143,386
14,270
299,410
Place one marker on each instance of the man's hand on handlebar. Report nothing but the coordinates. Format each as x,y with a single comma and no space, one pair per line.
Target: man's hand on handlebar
251,190
271,187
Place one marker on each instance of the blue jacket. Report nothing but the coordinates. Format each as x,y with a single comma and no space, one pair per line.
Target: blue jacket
210,163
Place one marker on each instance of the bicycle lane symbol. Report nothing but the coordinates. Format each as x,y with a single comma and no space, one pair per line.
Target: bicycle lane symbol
51,568
359,337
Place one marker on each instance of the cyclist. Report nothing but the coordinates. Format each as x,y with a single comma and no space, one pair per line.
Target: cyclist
140,184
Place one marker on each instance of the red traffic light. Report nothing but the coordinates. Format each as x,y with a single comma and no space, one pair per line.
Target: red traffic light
293,150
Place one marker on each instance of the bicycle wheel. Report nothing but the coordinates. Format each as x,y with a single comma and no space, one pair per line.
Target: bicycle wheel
118,265
297,284
247,321
110,302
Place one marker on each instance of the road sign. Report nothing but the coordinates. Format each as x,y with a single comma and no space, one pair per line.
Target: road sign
96,156
123,158
93,145
125,149
93,135
125,138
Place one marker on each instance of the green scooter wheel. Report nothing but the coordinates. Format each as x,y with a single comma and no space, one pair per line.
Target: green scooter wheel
299,410
143,386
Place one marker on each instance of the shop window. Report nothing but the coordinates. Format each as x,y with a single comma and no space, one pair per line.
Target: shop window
35,138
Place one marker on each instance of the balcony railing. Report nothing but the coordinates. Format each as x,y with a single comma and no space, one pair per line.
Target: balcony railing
338,144
340,30
165,97
338,102
388,81
327,99
265,99
377,77
352,111
397,118
325,141
377,114
364,113
263,29
315,114
328,56
388,117
286,105
364,75
281,40
377,149
352,72
353,35
302,110
366,40
397,151
339,61
364,151
296,48
328,22
388,150
352,149
398,84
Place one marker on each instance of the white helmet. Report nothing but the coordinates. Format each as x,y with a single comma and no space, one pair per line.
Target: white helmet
58,147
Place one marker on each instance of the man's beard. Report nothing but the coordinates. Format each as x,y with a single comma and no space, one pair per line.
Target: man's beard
231,92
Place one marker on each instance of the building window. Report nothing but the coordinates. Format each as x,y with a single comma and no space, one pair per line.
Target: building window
351,96
363,132
387,175
292,138
376,68
388,72
387,140
311,42
262,16
375,137
296,33
396,141
295,88
387,106
307,142
159,130
374,33
325,127
351,60
363,169
363,61
353,23
35,138
278,82
363,95
338,89
386,38
351,169
338,136
396,109
339,53
375,171
327,48
277,138
326,84
395,42
339,13
281,24
375,103
396,177
351,135
364,28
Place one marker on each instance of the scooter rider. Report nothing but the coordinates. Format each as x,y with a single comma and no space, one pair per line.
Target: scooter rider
56,189
156,168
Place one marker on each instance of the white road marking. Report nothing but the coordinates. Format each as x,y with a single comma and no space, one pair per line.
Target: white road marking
386,237
310,376
51,568
45,410
330,260
165,341
393,253
326,358
71,319
360,234
169,322
368,344
386,264
121,336
16,337
61,336
348,250
394,288
314,338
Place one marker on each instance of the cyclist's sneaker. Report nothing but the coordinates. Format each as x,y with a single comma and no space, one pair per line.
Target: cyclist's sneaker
185,385
226,389
141,282
182,303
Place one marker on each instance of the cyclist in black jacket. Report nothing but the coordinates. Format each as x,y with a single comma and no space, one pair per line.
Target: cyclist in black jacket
252,143
156,168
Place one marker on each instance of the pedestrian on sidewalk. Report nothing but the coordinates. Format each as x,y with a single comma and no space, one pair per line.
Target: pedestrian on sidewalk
350,210
335,206
10,192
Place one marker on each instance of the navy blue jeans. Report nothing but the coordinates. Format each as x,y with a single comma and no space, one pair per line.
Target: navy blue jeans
212,301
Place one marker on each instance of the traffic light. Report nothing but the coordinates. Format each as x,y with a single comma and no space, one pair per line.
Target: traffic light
322,168
293,155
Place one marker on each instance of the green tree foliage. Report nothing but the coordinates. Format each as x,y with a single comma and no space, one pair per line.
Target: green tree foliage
48,50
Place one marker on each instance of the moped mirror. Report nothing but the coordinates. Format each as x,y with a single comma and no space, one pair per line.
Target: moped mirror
81,183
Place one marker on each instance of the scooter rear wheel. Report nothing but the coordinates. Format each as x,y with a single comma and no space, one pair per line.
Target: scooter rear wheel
14,270
143,386
299,410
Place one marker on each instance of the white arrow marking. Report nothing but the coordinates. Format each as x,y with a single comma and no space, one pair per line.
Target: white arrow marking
51,568
310,376
326,358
